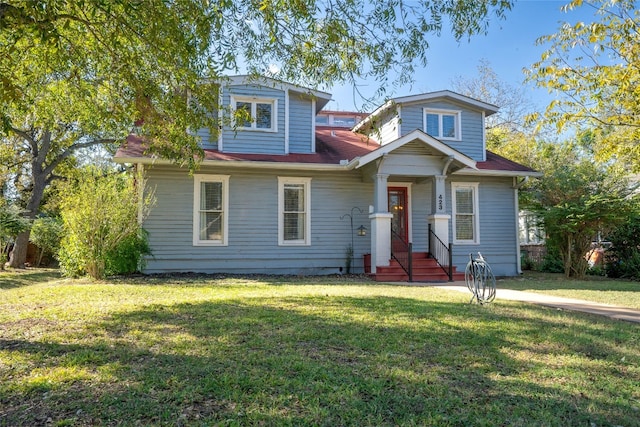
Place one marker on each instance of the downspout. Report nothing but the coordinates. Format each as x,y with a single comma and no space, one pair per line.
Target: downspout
516,206
140,190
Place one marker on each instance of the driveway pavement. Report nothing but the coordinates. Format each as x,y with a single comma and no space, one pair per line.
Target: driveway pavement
612,311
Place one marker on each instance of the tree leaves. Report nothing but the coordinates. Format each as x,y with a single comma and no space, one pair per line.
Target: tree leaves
595,67
577,199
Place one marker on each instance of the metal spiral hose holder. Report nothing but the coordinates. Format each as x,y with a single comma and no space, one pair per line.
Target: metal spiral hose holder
480,280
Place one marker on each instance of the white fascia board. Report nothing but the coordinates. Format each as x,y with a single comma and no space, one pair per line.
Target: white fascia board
245,164
421,136
488,172
276,84
371,116
489,108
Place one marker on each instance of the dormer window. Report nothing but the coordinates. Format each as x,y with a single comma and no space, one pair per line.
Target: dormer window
260,113
442,124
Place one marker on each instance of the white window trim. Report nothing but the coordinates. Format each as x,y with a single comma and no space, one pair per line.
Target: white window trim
197,180
307,206
440,112
254,100
476,212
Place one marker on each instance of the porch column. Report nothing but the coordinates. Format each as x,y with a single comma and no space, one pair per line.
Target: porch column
380,224
439,219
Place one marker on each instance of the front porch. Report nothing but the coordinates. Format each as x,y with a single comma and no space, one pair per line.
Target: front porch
396,170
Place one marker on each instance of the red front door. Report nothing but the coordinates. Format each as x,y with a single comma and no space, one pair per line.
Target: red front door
398,206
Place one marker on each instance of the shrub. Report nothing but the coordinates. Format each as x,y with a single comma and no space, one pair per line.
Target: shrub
623,257
129,256
102,233
552,262
46,234
527,263
11,224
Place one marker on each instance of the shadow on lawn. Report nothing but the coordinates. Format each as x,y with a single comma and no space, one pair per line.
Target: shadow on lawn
533,280
315,361
26,277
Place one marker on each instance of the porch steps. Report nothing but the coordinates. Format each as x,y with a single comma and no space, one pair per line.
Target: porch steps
425,269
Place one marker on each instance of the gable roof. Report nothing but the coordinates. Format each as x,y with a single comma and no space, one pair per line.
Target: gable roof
336,149
322,98
418,135
496,165
489,109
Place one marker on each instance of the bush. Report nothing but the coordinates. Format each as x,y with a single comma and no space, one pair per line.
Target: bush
527,263
552,262
626,267
11,224
129,256
46,234
102,233
623,257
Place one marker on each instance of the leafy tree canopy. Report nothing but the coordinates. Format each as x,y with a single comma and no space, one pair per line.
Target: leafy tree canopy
79,73
101,65
596,67
577,198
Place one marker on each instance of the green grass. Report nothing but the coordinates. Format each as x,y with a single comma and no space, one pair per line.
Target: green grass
598,289
293,351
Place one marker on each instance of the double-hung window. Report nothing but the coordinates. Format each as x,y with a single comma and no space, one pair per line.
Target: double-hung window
442,124
464,198
256,113
294,211
210,210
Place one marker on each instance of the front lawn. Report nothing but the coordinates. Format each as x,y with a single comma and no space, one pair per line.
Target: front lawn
303,351
624,293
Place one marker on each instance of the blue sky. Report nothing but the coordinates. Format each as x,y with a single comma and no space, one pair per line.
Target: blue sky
509,47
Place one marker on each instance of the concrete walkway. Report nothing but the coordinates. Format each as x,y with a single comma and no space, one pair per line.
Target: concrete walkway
612,311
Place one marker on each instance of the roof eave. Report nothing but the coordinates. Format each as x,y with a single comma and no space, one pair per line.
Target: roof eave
245,164
488,108
499,173
371,116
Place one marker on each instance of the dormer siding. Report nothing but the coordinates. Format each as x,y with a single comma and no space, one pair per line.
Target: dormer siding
302,116
470,140
256,141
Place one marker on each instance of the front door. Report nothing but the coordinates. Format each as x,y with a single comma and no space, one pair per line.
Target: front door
398,206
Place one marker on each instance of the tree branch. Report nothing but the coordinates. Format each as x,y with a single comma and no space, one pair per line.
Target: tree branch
72,149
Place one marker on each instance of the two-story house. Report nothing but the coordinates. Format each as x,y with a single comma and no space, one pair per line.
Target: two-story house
282,193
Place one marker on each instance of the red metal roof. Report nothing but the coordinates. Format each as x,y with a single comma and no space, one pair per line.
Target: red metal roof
498,163
333,145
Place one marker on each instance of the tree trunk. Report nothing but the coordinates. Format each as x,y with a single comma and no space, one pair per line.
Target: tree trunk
39,179
19,253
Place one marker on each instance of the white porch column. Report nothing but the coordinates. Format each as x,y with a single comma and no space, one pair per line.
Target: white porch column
380,224
439,220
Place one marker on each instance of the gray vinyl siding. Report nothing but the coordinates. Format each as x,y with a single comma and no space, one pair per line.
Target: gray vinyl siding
472,126
497,226
253,224
206,141
414,159
301,117
255,141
